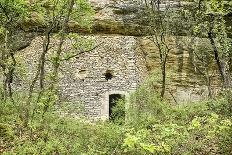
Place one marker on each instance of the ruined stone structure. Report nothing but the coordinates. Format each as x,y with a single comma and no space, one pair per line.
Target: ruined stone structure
96,78
93,77
119,64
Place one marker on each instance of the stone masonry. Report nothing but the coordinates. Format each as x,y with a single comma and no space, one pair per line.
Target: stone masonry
114,67
85,78
121,62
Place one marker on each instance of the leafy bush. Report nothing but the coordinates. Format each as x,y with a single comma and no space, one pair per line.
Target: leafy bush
118,112
151,126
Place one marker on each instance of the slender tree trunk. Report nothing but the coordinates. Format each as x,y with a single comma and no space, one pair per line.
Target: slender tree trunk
4,85
224,72
210,95
223,66
61,42
8,69
46,43
39,75
10,76
163,68
4,66
58,53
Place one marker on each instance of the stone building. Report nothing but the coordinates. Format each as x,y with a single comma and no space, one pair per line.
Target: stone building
99,77
95,79
117,67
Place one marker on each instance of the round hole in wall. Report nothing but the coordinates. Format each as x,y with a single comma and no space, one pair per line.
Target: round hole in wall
108,75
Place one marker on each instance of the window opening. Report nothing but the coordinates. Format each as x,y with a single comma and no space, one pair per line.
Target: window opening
108,75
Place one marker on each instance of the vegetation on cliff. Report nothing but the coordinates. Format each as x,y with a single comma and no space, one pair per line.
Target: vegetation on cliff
32,121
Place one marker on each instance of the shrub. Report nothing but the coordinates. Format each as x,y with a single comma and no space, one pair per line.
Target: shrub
118,112
151,126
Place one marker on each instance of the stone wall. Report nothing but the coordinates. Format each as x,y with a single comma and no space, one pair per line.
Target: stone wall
83,78
129,58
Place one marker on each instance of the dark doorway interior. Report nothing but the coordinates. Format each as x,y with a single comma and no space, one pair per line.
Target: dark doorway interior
113,98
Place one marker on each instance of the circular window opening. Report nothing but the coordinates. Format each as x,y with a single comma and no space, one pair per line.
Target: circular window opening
108,75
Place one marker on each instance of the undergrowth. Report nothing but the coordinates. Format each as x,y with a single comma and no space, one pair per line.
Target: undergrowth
149,125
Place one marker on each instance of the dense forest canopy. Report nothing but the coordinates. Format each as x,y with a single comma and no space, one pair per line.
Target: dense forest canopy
35,118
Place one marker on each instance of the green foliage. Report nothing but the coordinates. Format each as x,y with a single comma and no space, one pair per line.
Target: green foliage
221,106
83,13
191,128
12,11
6,132
118,112
197,128
79,46
54,11
147,106
139,142
149,125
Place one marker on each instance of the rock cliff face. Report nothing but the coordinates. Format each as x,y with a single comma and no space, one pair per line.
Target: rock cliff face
118,17
125,17
122,61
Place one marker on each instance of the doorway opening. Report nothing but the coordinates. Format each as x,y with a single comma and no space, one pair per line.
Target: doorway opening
116,106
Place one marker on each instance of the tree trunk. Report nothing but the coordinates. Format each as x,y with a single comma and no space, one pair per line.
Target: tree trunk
62,38
224,72
4,66
10,76
46,43
210,95
163,68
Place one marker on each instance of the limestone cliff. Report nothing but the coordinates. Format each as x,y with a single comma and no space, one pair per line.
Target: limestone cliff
125,17
116,21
